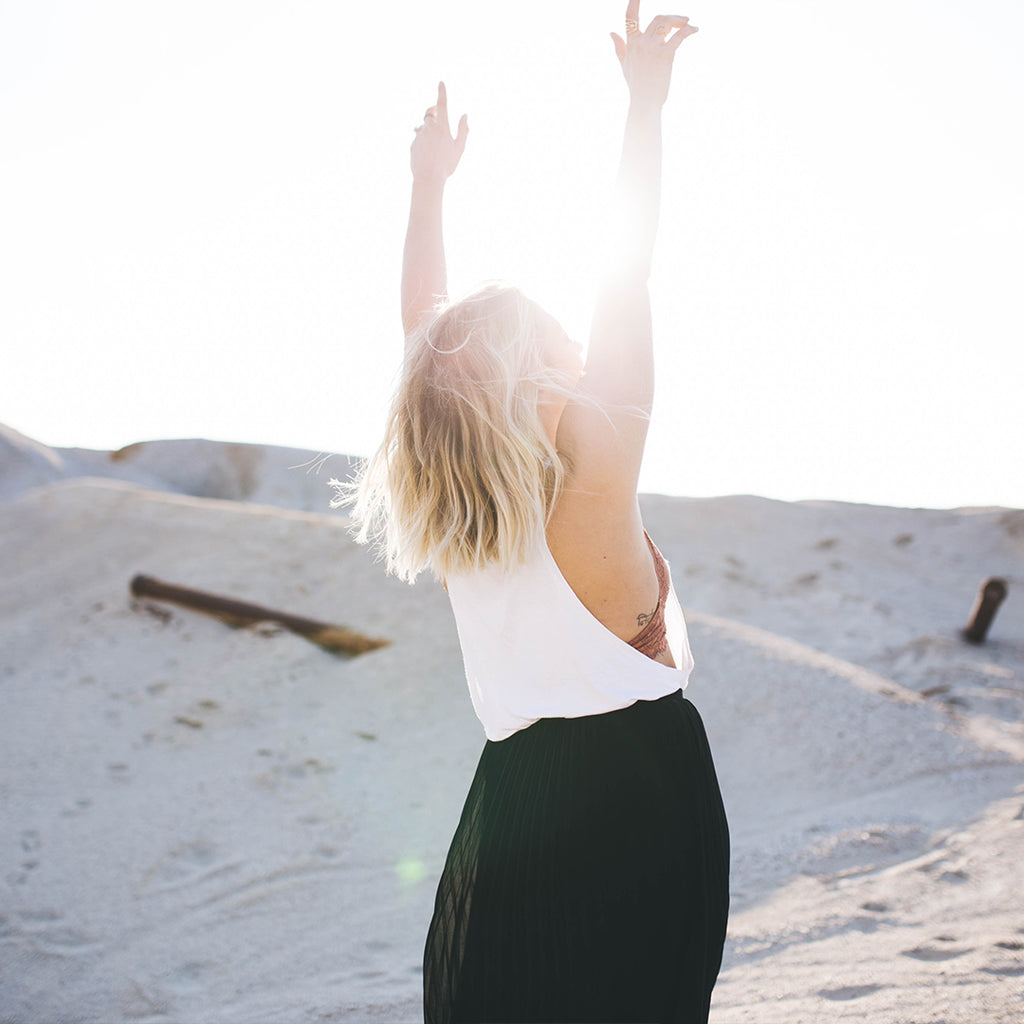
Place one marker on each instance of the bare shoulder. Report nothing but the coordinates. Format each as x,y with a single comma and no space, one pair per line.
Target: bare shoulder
605,442
598,543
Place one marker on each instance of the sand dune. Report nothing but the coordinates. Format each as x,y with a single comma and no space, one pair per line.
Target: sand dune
263,474
233,825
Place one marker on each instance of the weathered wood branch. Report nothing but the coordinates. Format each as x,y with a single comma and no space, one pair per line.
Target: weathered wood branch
990,597
337,639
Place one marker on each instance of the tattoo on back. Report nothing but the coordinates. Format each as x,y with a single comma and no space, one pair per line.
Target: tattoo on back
642,619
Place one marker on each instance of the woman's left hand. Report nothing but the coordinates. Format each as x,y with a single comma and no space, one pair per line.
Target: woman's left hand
435,154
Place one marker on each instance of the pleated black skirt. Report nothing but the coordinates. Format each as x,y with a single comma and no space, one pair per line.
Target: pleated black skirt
588,880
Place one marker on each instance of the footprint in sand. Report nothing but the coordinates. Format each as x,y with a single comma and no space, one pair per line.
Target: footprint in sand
49,933
31,844
187,977
188,864
288,772
81,805
66,941
875,907
137,1003
954,876
36,918
848,992
1005,971
1007,966
934,953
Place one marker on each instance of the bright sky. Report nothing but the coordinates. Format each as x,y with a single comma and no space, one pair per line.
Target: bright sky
202,208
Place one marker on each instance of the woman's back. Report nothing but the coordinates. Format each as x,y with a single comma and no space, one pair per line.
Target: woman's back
533,650
602,553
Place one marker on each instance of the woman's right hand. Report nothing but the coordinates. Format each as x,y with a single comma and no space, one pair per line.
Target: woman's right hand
435,154
646,57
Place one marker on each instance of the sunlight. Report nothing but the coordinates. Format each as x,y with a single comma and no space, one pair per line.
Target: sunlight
410,870
215,208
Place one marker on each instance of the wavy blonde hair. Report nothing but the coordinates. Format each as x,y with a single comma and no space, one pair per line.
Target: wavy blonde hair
466,474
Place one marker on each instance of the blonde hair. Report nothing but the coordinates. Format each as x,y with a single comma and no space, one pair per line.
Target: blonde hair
466,474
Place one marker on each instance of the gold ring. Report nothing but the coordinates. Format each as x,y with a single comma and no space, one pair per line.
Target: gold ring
632,27
661,30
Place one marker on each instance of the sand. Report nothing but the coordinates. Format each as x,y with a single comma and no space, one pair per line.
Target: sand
232,825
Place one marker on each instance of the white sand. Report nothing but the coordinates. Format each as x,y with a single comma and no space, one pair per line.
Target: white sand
216,825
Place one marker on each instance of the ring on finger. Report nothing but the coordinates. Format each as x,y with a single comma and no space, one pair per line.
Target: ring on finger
661,30
632,27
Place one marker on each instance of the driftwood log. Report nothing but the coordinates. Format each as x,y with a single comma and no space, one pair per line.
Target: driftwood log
337,639
990,597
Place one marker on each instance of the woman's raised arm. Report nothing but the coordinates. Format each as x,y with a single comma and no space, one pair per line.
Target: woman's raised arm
607,450
435,155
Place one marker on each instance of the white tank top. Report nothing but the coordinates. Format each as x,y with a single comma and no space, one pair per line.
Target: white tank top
532,650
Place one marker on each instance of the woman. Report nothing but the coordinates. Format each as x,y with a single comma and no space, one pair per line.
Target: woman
588,876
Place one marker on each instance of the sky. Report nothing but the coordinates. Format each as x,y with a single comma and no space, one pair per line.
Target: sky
202,209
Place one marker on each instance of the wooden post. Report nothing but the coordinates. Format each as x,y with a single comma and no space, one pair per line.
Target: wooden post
337,639
990,597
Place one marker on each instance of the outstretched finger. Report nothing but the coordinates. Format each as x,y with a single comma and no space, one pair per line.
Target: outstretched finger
620,46
685,32
461,135
632,13
442,104
664,23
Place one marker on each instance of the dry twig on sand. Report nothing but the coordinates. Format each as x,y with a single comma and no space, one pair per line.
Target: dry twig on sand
337,639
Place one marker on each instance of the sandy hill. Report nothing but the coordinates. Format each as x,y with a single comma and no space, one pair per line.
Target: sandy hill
263,474
204,823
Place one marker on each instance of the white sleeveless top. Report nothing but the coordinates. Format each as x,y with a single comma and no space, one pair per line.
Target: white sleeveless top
532,650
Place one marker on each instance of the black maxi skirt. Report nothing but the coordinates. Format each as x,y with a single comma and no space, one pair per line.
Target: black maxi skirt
588,880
